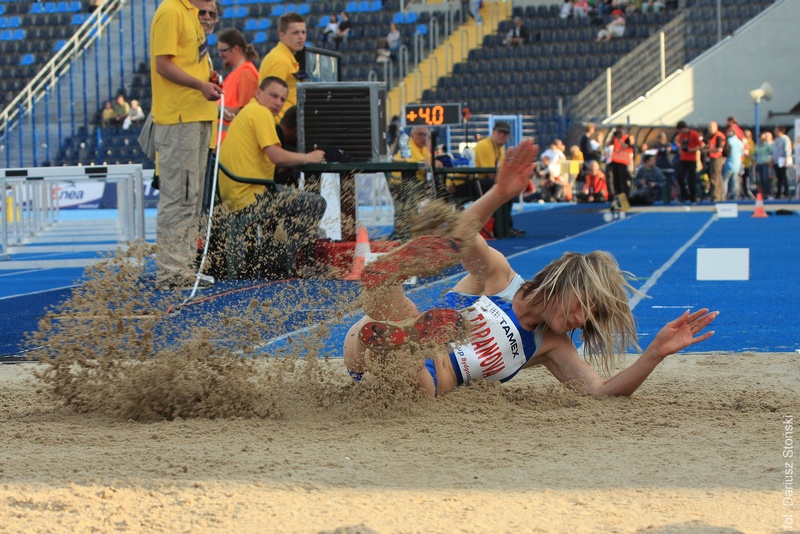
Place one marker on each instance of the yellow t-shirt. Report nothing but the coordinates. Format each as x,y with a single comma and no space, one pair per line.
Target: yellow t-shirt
176,32
242,152
280,62
417,154
487,154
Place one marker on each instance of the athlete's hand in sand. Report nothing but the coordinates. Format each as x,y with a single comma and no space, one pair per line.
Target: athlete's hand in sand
683,332
514,173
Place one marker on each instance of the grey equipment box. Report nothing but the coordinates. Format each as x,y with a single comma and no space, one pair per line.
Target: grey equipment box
350,116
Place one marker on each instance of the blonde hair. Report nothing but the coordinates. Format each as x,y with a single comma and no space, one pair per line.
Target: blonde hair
602,290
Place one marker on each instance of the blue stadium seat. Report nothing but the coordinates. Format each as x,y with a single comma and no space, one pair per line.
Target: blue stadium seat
261,37
2,9
27,59
399,18
422,29
323,21
78,19
375,5
352,6
303,9
36,8
212,39
236,12
14,22
278,10
251,25
291,8
411,17
59,44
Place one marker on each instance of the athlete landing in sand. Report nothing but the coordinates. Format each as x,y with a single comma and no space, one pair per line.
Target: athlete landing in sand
493,323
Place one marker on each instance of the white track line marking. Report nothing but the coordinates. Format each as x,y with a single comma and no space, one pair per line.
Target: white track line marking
634,301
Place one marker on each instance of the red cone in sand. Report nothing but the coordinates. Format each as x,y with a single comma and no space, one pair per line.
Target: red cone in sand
360,255
759,212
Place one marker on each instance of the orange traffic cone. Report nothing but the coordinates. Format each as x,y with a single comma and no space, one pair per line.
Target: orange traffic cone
759,212
360,255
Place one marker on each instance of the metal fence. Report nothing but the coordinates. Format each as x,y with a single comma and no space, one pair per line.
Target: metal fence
645,66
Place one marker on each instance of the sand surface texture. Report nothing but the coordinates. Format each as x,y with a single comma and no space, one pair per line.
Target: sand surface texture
699,448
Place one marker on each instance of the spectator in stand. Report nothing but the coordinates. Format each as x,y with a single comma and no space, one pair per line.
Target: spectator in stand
714,161
208,13
654,6
763,157
602,7
107,115
550,186
183,108
595,185
489,152
555,152
518,35
782,161
241,83
588,146
621,161
566,9
343,33
748,171
136,114
732,124
408,194
690,143
580,8
615,28
281,61
648,178
390,44
732,167
331,29
663,152
121,110
252,149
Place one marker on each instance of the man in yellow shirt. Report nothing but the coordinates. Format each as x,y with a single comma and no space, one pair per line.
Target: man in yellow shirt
183,109
287,216
489,152
280,61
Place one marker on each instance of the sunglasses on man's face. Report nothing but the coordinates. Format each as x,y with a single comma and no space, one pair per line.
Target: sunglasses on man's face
204,12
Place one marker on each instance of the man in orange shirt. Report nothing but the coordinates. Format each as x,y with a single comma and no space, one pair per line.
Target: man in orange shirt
595,188
716,144
689,142
621,161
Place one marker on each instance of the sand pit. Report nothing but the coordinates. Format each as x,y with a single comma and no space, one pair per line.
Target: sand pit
699,448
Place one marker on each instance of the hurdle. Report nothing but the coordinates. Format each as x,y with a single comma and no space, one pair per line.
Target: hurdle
31,201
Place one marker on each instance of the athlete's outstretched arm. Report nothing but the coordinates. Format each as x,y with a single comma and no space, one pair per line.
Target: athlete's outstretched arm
568,367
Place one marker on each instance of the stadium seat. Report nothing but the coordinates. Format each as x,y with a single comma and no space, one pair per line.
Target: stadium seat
399,18
422,29
323,21
411,17
78,19
303,9
27,59
278,10
261,37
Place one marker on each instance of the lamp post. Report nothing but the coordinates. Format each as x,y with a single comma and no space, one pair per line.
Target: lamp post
762,93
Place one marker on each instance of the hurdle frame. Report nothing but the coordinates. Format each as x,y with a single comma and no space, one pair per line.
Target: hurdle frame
34,205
